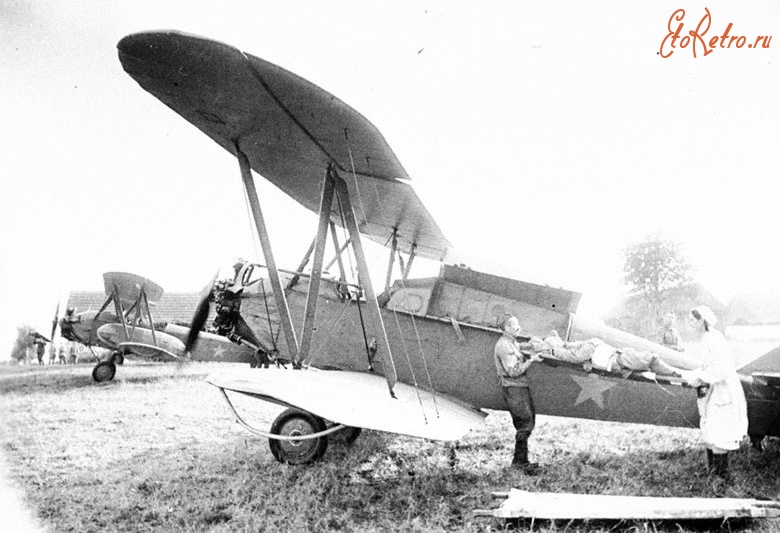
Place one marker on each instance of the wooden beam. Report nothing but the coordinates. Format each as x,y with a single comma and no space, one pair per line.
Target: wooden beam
304,262
412,255
265,243
393,248
326,202
339,251
365,281
149,315
119,310
567,506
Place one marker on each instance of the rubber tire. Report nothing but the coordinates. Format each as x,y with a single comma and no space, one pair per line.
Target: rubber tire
296,422
119,359
346,436
104,371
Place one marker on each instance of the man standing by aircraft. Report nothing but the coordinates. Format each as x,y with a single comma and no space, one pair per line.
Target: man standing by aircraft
511,367
668,335
40,349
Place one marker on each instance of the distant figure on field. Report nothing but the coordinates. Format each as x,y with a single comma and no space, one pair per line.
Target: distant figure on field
61,352
72,353
511,366
668,335
40,349
722,406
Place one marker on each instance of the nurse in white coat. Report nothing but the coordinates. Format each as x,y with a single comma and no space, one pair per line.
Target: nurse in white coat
722,406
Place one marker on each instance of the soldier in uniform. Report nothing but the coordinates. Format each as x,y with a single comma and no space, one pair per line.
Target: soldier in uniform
40,349
511,365
668,335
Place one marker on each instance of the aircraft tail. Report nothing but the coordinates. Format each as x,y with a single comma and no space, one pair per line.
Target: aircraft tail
769,362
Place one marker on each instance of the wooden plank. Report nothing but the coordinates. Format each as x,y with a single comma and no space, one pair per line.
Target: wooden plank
554,506
265,244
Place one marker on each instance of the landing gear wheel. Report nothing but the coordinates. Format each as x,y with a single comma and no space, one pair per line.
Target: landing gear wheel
104,371
346,436
119,359
294,423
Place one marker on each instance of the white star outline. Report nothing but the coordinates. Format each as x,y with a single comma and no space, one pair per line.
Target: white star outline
592,387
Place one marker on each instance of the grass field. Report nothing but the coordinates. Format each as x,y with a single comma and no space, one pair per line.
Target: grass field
157,450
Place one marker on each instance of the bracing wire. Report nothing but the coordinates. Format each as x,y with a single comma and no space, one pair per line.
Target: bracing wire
419,341
268,315
329,335
354,174
344,233
376,193
360,204
420,347
425,363
411,368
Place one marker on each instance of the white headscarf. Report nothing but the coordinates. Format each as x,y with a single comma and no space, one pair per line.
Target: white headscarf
707,314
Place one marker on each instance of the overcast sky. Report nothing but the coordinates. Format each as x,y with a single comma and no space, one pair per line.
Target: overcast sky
544,137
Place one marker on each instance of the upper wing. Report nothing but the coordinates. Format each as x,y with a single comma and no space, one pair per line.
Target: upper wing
358,399
289,128
129,286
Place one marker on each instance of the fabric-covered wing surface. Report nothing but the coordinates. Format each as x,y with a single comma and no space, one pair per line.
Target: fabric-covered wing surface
129,287
289,128
358,399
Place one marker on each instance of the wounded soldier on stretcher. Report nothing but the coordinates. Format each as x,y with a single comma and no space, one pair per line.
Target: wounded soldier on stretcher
600,354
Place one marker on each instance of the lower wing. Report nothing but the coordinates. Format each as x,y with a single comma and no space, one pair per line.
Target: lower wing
358,399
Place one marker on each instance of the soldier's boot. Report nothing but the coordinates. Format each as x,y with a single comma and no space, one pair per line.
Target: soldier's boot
520,458
721,465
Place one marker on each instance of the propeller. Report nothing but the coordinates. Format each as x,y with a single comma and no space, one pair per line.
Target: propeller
55,321
200,316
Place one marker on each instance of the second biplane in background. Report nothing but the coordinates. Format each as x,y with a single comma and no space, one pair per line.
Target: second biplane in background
128,329
417,359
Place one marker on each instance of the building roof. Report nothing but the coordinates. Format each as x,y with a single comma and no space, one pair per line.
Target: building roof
173,307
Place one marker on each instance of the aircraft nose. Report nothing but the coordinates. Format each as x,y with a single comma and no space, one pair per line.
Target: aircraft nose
66,329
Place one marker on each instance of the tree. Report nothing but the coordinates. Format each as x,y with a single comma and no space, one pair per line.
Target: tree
22,343
656,272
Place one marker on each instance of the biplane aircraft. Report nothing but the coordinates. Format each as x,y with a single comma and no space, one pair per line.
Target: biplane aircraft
131,331
417,358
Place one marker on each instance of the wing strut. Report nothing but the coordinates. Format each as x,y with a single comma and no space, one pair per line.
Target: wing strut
365,278
294,280
120,311
148,314
393,248
265,242
339,251
412,254
312,296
